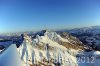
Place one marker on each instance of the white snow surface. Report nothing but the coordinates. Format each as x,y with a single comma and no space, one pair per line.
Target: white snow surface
10,57
45,48
31,54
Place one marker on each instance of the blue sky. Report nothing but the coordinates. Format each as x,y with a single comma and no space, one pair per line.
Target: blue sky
32,15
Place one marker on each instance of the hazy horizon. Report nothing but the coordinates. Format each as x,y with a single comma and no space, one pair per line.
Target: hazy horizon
48,29
35,15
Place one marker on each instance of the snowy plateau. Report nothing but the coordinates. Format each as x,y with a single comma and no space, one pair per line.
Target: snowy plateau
47,48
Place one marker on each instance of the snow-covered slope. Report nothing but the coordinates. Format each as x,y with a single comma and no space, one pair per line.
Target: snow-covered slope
10,57
46,50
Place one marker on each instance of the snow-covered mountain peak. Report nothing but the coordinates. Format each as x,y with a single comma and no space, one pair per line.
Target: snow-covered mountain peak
47,48
27,38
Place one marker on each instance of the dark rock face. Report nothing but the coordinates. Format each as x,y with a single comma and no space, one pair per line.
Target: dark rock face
1,47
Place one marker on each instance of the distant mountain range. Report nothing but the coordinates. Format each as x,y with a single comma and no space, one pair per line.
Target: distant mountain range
88,35
48,48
